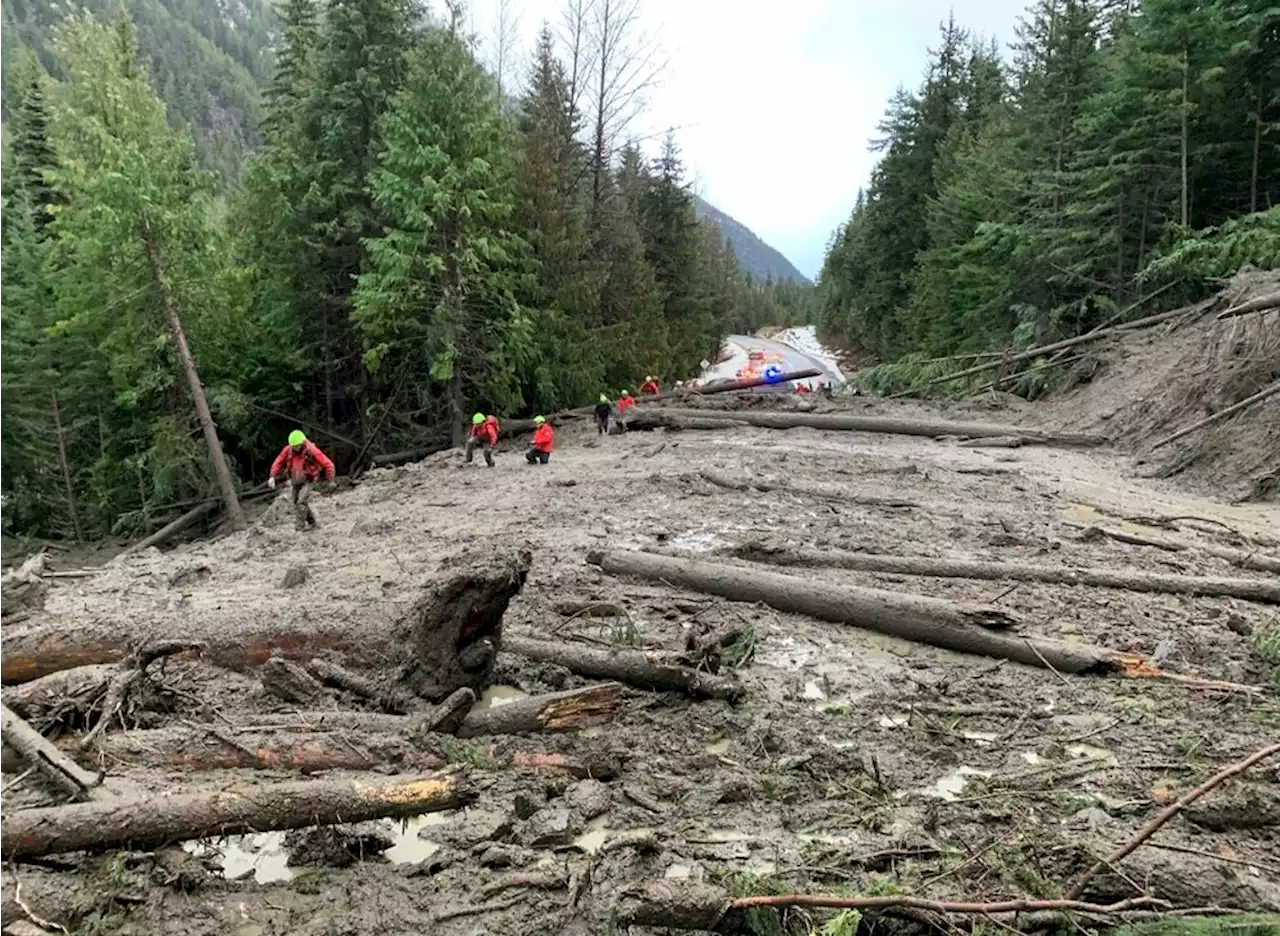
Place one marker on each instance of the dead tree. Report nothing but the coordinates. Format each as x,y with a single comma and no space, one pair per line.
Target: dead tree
624,66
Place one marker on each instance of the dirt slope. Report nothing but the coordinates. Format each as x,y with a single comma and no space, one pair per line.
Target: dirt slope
842,767
1152,383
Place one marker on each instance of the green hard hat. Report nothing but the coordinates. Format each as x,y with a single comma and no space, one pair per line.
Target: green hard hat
604,398
477,419
296,437
539,420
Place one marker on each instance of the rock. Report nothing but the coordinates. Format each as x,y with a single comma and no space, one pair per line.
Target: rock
590,798
190,575
736,790
1241,806
550,827
295,576
502,855
526,804
480,825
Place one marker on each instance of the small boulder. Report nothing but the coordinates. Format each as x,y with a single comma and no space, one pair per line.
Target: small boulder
295,575
550,828
590,798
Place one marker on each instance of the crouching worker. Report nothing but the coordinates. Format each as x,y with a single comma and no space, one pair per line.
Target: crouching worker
484,432
539,452
604,409
302,462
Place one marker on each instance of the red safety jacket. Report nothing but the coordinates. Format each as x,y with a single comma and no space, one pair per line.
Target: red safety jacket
486,432
650,387
310,464
543,437
625,402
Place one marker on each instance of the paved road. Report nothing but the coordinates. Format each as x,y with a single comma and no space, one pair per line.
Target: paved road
791,359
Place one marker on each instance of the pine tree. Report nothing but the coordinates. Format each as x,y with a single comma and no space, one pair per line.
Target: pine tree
442,277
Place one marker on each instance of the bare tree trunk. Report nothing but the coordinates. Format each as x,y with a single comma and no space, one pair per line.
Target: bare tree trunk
66,468
234,513
574,38
1257,151
505,37
1186,68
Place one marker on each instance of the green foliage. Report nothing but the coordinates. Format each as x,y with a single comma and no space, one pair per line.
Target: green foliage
1259,924
1265,641
399,250
1015,205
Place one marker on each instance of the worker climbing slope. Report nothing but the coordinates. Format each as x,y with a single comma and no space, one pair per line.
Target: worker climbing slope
484,433
302,462
650,387
604,409
539,451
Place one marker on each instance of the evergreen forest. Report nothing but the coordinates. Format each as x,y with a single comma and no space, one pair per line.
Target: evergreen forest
400,237
1123,156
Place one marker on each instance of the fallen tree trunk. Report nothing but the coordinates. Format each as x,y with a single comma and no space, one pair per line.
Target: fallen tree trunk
825,493
924,620
552,712
169,530
36,750
446,640
1261,590
1261,304
558,711
633,667
895,425
748,383
66,697
389,459
1059,346
1259,562
1262,394
649,420
158,820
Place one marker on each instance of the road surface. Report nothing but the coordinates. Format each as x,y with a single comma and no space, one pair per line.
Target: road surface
785,357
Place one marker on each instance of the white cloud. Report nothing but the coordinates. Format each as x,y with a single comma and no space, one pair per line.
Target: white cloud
773,104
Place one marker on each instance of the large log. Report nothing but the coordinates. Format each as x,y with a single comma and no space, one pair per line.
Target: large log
446,640
557,711
36,750
1257,561
169,530
925,620
824,492
749,383
647,420
1262,394
66,696
895,425
634,667
159,820
1263,590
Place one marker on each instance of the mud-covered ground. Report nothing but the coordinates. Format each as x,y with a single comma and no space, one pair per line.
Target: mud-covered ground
847,765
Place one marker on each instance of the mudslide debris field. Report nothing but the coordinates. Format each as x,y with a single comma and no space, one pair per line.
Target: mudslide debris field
779,752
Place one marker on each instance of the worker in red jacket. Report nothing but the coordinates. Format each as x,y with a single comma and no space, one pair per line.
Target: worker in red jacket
650,387
484,432
625,402
539,451
302,462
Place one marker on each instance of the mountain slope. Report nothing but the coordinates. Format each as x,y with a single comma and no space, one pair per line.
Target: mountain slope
207,58
754,255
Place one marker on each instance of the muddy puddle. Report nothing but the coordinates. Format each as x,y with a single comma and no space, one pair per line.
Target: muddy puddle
264,857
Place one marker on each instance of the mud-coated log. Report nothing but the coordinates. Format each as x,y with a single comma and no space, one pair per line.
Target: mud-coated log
36,750
913,617
824,492
67,696
1258,562
650,419
634,667
399,458
1263,590
28,651
172,529
158,820
557,711
748,383
894,425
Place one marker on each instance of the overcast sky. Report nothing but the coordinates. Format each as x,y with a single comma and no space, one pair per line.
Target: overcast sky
773,102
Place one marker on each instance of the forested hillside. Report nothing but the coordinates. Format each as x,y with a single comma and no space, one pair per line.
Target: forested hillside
398,252
207,59
755,257
1128,147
